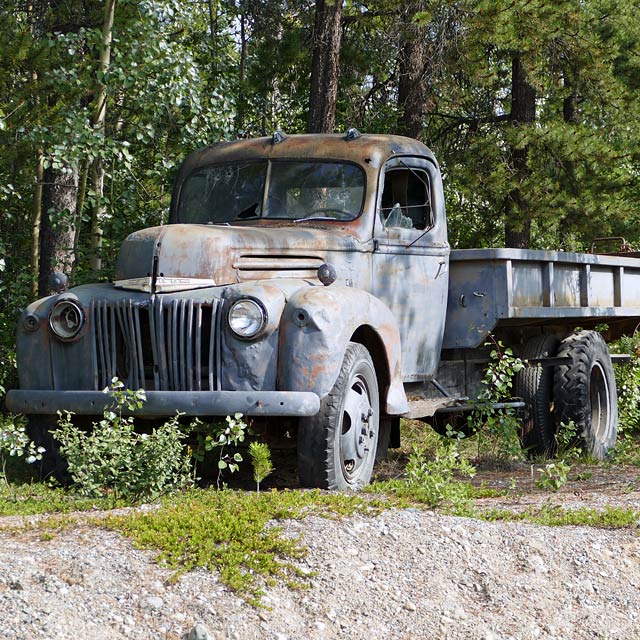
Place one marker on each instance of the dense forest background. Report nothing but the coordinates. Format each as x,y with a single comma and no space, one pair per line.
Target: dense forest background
531,107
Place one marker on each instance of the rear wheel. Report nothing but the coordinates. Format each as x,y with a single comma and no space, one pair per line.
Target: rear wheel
585,392
534,384
337,447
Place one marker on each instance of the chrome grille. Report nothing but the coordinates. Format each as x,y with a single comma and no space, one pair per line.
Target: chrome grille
167,346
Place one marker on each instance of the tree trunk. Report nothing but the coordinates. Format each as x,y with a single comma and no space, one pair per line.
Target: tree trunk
523,112
99,210
36,223
57,228
570,103
82,194
412,85
242,76
327,36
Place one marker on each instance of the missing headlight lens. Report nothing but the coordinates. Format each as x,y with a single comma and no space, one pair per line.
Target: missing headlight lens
247,318
66,319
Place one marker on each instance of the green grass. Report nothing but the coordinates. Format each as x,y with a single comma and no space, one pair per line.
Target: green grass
37,497
227,531
45,528
551,516
24,495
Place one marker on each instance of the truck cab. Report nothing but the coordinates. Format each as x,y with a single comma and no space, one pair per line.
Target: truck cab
300,278
306,281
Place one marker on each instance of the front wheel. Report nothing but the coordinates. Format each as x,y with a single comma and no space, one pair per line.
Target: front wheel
585,392
337,447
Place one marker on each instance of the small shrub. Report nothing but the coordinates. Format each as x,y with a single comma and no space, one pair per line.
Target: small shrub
434,482
628,384
554,476
14,442
112,459
219,436
501,425
261,462
567,444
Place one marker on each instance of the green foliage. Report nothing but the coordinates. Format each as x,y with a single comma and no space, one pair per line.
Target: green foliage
554,476
220,436
227,531
435,482
501,425
113,459
30,498
260,461
15,442
628,384
567,442
550,516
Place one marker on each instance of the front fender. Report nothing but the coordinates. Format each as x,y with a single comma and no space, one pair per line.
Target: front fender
316,326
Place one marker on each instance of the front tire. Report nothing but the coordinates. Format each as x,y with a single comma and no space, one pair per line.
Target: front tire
337,447
585,392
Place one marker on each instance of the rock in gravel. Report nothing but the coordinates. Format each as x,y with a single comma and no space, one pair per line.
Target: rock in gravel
199,632
155,602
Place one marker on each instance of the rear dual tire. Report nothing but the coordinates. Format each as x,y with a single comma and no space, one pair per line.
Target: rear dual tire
582,392
585,392
534,384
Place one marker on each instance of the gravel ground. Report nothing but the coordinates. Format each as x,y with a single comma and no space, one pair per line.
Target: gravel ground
405,574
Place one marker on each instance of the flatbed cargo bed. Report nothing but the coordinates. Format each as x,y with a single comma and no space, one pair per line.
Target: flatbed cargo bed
489,288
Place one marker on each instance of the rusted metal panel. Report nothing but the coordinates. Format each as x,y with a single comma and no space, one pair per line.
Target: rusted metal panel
318,323
368,151
252,365
490,287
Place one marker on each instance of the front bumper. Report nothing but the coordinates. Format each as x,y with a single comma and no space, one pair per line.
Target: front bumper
161,404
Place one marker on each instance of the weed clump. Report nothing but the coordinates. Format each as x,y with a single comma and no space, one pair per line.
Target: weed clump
435,482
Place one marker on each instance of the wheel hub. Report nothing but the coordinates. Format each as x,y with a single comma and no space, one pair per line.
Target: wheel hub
355,441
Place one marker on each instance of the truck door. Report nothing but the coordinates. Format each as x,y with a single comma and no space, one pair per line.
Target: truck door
411,259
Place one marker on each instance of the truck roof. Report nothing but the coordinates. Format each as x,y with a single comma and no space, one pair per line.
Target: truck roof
371,149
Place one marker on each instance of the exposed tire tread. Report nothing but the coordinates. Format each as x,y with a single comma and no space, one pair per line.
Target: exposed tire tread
572,389
535,386
316,442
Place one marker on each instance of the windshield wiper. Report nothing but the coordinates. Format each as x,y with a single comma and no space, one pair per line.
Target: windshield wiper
315,218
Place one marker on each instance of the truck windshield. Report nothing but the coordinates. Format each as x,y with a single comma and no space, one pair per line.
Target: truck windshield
294,191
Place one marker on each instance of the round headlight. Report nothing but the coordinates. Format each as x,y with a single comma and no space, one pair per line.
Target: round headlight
66,319
247,318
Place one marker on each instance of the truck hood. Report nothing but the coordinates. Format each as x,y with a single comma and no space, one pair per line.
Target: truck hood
187,256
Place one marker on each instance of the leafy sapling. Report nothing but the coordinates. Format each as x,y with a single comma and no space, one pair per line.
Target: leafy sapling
497,385
220,436
15,442
554,476
261,462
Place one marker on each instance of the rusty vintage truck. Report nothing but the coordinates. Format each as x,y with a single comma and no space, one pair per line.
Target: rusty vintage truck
307,281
